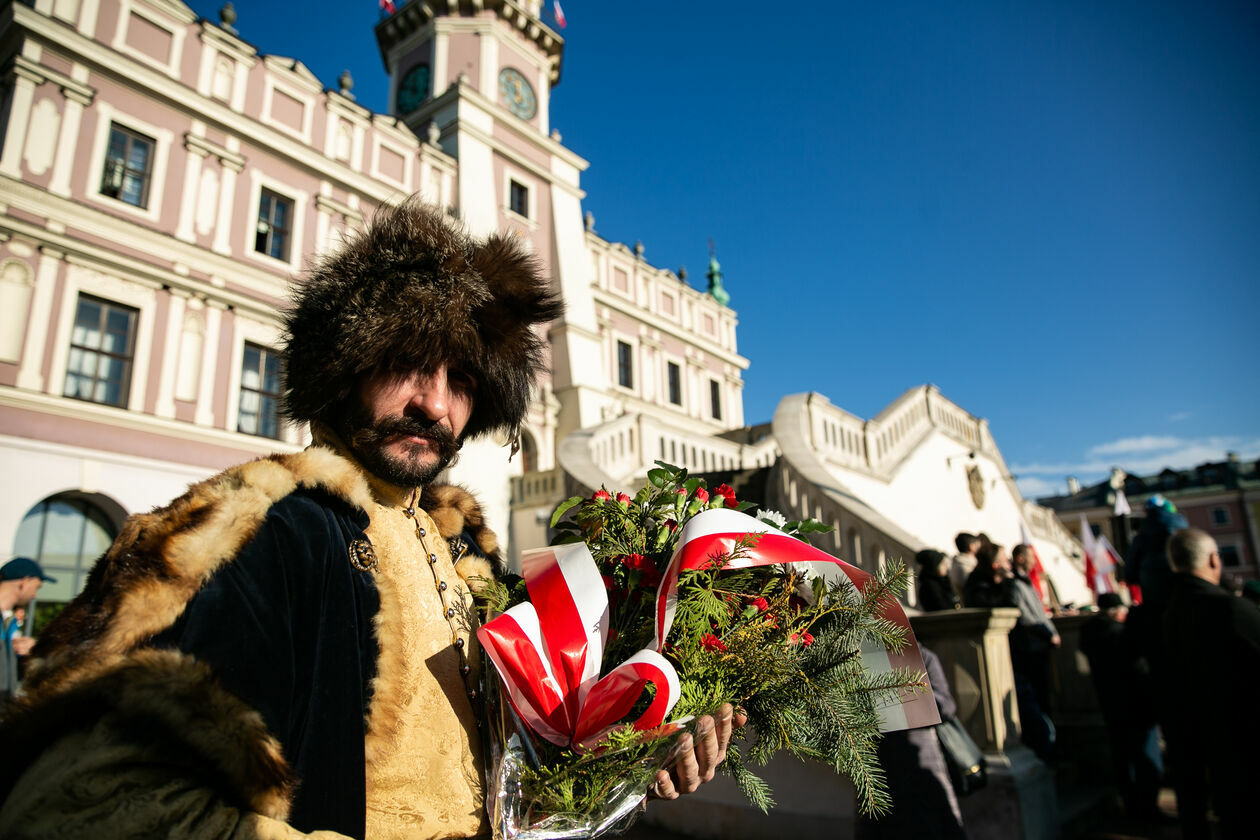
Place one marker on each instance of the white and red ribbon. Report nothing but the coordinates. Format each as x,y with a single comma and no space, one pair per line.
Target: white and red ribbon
549,660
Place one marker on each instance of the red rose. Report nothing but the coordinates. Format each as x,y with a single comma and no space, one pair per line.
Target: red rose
601,496
712,643
761,604
727,494
702,495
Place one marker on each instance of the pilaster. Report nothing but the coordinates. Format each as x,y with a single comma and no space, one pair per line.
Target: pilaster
30,374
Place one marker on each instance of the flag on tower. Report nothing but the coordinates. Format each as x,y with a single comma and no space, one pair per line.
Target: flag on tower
387,6
559,13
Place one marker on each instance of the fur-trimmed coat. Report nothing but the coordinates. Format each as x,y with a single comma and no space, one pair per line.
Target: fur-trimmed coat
215,677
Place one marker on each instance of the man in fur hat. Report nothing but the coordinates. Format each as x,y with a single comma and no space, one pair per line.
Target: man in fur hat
289,647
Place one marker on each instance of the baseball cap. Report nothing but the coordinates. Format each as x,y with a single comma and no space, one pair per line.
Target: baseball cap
23,567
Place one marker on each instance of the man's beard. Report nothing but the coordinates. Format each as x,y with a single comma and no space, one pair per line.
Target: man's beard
367,440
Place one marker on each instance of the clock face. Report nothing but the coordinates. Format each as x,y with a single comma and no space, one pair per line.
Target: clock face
516,94
413,89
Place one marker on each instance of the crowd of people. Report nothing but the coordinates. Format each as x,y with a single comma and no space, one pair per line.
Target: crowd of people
1174,658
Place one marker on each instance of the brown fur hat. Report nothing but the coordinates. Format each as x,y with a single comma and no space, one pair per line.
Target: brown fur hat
408,293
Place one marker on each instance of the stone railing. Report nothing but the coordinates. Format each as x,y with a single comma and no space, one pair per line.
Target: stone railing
618,454
839,434
1019,800
537,488
802,487
879,444
1044,525
892,433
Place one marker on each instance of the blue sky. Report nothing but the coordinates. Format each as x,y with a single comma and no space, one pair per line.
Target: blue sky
1051,210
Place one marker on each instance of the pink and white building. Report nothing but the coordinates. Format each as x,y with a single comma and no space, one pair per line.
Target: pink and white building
161,183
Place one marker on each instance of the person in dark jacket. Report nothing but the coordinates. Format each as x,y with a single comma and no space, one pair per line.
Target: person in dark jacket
1211,679
924,804
990,584
935,590
1122,680
1146,565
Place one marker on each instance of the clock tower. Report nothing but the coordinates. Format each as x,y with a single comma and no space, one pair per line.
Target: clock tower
475,77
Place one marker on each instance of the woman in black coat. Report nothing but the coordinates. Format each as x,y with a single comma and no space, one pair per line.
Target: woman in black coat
935,590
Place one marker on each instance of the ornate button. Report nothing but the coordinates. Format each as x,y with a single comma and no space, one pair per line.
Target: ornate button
450,613
441,586
472,694
422,532
465,669
432,558
362,556
459,644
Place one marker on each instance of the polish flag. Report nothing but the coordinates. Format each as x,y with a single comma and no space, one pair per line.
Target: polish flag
559,12
387,6
1098,563
1037,572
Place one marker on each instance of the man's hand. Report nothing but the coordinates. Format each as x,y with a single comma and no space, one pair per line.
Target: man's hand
1055,640
698,757
22,645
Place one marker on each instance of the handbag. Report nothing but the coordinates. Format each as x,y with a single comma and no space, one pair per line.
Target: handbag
963,758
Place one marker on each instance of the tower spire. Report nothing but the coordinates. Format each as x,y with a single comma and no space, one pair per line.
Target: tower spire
715,278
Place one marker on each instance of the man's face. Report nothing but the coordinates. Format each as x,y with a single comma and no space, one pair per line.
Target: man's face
1021,561
405,428
27,590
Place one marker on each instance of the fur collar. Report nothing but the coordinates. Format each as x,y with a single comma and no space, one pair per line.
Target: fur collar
168,707
161,559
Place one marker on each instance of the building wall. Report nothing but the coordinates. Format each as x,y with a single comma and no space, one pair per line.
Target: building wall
226,124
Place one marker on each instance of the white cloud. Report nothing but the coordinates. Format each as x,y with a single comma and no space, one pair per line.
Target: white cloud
1032,487
1141,457
1145,443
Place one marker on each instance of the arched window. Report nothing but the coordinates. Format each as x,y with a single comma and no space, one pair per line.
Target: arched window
529,453
65,534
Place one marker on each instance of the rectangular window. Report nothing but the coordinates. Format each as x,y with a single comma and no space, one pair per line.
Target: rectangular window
102,348
675,384
260,392
275,222
128,166
715,399
625,365
1220,516
518,198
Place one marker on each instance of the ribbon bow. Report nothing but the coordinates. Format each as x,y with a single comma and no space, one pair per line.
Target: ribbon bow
549,661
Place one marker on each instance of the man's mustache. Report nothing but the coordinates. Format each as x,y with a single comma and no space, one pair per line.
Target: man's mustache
441,438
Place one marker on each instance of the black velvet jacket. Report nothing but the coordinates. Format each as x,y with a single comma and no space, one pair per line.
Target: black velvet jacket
288,629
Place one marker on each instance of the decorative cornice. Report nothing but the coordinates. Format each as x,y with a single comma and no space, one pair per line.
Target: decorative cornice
186,100
79,217
637,312
228,43
201,146
331,205
39,74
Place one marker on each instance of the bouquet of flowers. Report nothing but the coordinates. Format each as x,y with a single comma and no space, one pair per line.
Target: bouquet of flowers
650,610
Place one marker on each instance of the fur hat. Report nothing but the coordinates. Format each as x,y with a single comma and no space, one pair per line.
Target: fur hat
408,293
